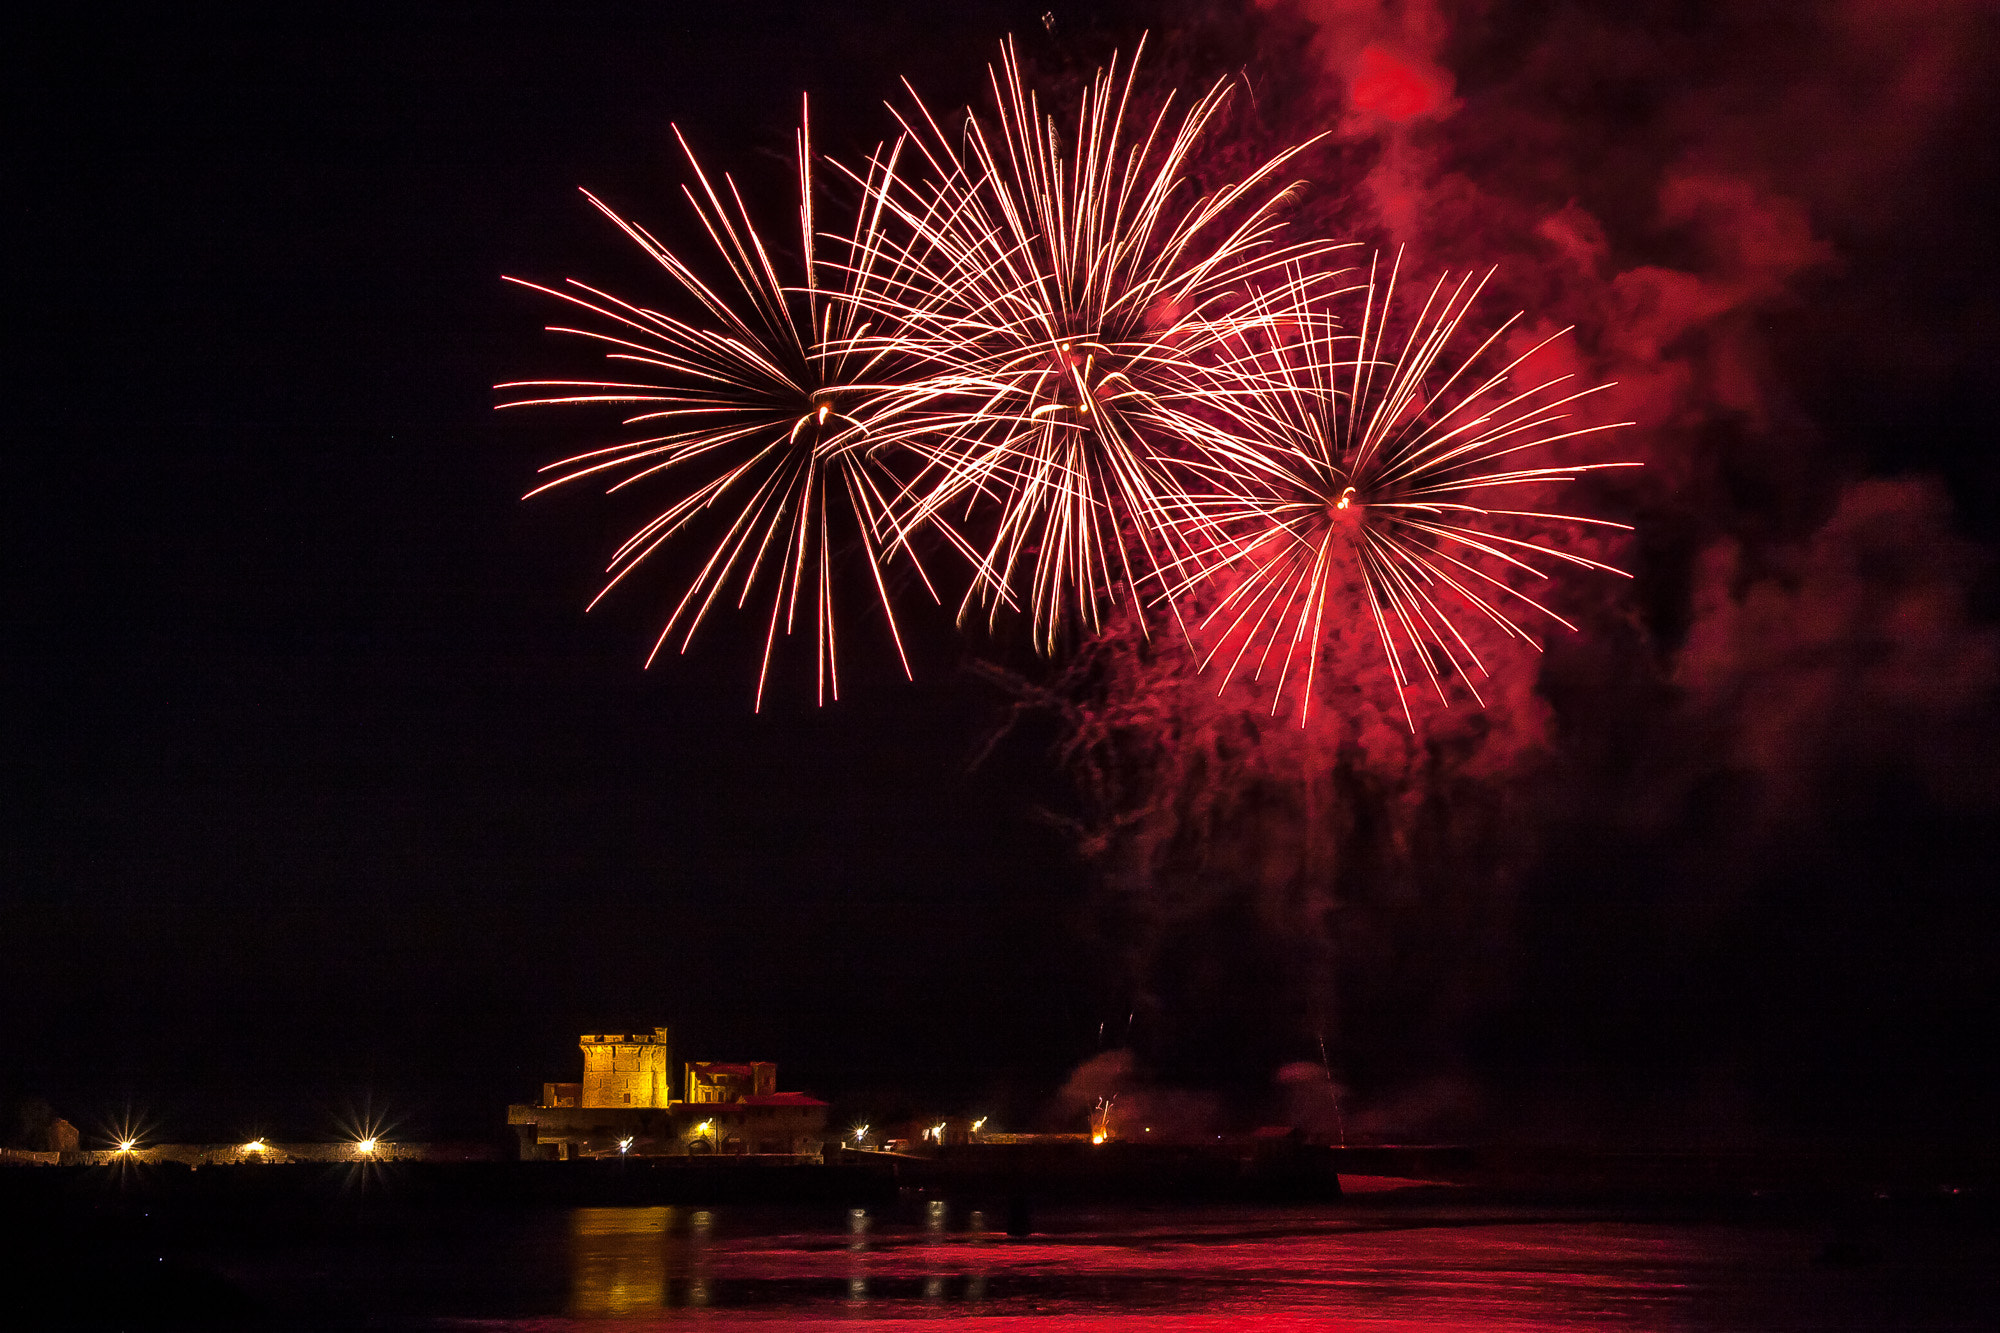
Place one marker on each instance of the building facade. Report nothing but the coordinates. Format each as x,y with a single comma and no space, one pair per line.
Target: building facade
624,1105
627,1069
712,1081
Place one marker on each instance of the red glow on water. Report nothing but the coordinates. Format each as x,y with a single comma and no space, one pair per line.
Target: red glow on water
1273,1321
1195,1271
1394,88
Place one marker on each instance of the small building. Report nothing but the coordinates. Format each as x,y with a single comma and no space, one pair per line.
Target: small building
711,1081
624,1105
783,1122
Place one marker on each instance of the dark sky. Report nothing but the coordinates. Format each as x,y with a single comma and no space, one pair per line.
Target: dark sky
320,783
320,787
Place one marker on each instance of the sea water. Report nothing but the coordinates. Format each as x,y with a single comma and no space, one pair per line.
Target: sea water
1348,1265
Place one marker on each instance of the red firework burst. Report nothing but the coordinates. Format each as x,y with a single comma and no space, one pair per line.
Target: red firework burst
1342,477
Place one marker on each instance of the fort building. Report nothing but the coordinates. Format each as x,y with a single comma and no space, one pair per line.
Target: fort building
625,1105
622,1069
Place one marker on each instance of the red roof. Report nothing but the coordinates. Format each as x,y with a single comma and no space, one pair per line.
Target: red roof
781,1099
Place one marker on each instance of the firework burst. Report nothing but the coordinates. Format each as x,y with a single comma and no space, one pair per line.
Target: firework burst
1343,478
1043,344
1056,288
765,414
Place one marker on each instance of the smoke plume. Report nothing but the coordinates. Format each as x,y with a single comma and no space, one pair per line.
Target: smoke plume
1752,220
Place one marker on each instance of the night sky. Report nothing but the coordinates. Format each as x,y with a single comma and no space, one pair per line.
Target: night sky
322,790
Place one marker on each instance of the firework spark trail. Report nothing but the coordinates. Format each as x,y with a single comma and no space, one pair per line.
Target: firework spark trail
1058,304
1333,471
775,401
1093,383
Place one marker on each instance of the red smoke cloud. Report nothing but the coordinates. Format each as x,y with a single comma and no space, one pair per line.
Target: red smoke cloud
1854,647
1694,193
1394,87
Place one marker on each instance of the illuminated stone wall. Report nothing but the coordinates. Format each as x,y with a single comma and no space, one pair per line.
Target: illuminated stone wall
626,1069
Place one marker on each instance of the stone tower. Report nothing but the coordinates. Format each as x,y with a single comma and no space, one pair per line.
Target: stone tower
626,1070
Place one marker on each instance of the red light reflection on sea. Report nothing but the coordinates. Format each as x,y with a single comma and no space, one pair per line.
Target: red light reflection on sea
1338,1269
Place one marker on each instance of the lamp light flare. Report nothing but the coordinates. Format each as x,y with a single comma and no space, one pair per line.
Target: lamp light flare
125,1134
1348,482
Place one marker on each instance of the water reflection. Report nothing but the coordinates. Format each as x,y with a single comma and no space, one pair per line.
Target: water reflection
701,1233
936,1214
618,1260
1499,1272
857,1247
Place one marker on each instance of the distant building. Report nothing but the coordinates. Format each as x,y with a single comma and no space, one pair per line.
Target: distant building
768,1122
710,1081
620,1070
625,1105
41,1138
